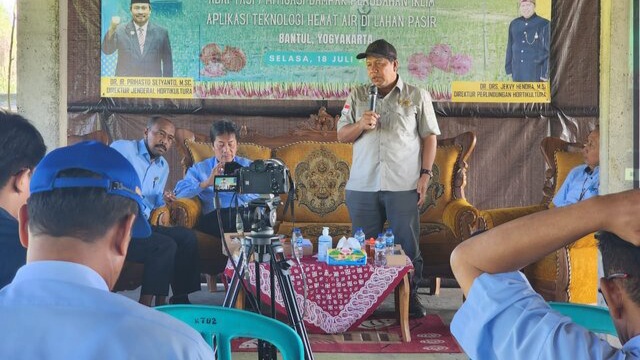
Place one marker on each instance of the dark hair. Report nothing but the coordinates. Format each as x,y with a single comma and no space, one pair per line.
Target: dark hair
619,256
21,145
222,127
82,213
156,119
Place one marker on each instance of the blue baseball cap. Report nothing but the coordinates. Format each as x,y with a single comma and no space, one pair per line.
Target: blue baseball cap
118,175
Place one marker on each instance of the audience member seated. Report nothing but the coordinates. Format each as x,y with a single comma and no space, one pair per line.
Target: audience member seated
77,224
569,274
170,254
504,318
199,180
21,148
583,180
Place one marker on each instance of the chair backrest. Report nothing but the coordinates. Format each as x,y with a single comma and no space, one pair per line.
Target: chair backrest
449,175
561,156
195,147
593,318
98,135
226,324
320,171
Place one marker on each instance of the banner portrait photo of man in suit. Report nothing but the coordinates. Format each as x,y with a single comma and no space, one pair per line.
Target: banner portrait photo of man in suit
528,45
143,47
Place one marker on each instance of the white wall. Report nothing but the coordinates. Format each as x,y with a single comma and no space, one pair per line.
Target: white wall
616,97
42,67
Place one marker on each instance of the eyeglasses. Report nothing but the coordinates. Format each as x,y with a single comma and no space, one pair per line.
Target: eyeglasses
617,276
611,277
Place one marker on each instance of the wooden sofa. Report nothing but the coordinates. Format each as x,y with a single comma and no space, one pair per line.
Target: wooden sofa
320,170
570,273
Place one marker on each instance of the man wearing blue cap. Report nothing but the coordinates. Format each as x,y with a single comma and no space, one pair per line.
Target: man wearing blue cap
85,206
170,254
21,148
143,47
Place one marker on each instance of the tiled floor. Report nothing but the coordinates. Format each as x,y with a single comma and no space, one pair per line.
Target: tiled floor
444,305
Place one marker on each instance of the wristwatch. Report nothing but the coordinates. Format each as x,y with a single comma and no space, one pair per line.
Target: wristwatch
426,171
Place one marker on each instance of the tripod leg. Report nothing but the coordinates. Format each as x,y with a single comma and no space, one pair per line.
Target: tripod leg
281,270
234,286
266,351
233,292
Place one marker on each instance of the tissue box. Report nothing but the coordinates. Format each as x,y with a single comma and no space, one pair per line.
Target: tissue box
398,258
307,247
337,257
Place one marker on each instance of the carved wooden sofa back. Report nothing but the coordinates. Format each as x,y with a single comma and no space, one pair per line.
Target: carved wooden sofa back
320,170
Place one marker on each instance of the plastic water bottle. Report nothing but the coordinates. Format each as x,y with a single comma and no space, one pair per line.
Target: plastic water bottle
389,241
239,224
296,243
380,257
359,235
324,244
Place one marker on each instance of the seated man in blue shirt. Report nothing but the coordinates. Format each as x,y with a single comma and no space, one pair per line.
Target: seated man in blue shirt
170,254
583,180
21,148
77,224
504,318
199,180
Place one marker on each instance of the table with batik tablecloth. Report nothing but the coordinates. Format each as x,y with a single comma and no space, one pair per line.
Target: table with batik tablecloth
339,298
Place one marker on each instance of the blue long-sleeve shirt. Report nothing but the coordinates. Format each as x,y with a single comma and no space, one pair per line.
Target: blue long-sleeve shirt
504,318
190,186
153,174
579,185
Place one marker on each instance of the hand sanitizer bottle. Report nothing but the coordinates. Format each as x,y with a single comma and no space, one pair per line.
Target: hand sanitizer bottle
324,244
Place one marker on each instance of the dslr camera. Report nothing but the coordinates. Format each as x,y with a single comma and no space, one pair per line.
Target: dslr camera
269,176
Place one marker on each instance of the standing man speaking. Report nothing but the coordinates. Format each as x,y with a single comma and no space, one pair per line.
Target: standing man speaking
143,47
393,128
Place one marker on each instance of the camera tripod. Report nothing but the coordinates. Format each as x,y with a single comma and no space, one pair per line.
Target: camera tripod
268,248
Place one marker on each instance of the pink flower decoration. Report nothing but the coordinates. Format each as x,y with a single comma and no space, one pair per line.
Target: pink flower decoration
213,69
440,56
461,64
210,53
419,66
233,58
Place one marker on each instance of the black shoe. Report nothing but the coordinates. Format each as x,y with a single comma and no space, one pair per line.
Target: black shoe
416,310
179,299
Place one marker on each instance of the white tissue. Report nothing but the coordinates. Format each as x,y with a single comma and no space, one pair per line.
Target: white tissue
348,243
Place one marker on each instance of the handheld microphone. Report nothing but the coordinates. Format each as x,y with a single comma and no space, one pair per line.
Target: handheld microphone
373,96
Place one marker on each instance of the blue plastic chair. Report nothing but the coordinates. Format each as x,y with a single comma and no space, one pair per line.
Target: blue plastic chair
226,324
594,318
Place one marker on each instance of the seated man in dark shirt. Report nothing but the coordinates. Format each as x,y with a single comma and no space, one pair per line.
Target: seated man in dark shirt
21,148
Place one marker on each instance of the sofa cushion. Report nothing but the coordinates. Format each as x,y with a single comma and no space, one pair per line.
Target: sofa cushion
565,162
320,171
199,150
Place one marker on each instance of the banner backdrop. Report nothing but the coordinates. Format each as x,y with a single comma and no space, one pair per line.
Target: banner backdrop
461,51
